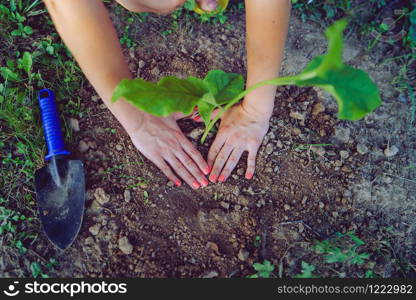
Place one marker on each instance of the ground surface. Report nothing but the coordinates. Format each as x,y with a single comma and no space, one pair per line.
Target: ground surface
137,224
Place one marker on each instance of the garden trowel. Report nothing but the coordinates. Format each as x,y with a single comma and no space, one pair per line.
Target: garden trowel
60,185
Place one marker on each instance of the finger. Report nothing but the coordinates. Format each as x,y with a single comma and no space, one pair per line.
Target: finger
192,167
220,161
190,149
163,166
251,162
230,165
215,149
182,171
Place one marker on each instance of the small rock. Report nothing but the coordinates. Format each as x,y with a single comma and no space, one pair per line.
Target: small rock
269,149
362,149
319,150
95,229
344,154
297,115
74,124
125,246
243,254
196,133
155,71
95,98
212,247
211,274
286,207
242,200
335,214
279,144
83,147
225,205
317,109
391,151
101,197
321,205
127,195
170,184
240,171
119,147
141,64
342,134
236,191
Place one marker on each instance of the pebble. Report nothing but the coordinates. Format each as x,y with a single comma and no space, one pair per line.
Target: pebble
101,197
286,207
335,214
240,171
74,124
83,147
127,195
243,254
317,109
211,274
391,151
321,205
225,205
119,147
95,98
279,144
344,154
342,134
242,200
269,149
196,133
141,63
297,115
236,191
125,246
95,229
362,149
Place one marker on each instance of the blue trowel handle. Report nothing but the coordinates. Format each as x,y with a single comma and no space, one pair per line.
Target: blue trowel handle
51,127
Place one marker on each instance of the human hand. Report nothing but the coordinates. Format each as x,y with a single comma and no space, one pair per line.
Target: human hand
239,131
163,143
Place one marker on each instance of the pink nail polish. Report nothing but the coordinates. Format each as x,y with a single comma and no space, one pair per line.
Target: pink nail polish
249,175
197,118
196,185
221,178
204,182
177,183
213,178
206,170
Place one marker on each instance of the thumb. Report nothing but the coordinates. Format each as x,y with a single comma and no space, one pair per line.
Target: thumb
207,5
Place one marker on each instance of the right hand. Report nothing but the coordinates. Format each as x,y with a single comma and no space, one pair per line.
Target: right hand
162,142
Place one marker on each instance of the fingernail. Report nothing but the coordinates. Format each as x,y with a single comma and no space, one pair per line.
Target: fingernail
196,185
204,182
213,178
249,175
221,178
178,183
206,170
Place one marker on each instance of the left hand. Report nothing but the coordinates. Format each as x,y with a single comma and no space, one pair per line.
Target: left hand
239,131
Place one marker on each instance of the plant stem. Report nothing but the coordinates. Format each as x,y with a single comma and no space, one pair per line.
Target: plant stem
289,80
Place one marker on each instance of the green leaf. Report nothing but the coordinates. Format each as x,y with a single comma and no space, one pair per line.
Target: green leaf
9,74
26,62
36,269
224,86
354,91
307,271
189,4
169,95
205,111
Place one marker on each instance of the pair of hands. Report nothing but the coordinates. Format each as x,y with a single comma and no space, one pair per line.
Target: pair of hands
163,143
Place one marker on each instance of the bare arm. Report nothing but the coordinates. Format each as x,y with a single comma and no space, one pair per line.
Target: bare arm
267,25
86,29
88,32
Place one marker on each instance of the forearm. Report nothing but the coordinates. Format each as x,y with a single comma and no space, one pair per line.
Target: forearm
267,25
86,29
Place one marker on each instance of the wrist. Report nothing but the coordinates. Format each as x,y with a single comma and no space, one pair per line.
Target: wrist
260,103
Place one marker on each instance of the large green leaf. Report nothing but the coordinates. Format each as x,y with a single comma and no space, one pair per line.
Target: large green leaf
224,86
354,91
169,95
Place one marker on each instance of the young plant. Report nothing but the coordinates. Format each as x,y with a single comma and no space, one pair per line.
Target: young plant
264,270
354,91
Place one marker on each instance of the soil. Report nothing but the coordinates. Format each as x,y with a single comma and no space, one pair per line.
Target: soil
139,225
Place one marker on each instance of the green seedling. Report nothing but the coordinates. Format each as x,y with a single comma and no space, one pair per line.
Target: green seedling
307,271
264,270
354,91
